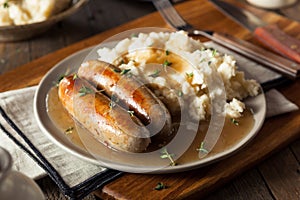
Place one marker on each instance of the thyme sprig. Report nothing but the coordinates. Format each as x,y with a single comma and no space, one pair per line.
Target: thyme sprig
85,90
155,73
69,130
131,112
125,71
166,154
160,186
214,52
234,121
202,149
113,101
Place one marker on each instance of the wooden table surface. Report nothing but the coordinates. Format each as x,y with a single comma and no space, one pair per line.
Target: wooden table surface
277,177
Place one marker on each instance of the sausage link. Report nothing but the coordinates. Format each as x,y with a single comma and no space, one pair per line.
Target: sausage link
109,123
134,94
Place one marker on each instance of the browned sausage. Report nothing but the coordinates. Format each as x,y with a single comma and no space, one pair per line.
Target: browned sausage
134,94
109,123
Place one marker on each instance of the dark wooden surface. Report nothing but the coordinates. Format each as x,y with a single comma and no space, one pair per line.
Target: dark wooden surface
278,177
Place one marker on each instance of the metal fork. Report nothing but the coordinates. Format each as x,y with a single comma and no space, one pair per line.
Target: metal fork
242,47
173,18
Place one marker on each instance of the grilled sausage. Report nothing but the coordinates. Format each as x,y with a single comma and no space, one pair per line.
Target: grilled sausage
134,94
109,123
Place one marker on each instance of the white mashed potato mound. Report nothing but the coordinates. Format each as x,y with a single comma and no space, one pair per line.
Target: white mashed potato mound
206,63
20,12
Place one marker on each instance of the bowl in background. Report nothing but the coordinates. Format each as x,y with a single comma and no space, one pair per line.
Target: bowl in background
22,32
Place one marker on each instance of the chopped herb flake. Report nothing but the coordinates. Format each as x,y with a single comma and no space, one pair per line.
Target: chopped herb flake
58,80
202,149
160,186
155,74
114,99
167,52
117,70
5,5
234,121
85,90
214,52
209,62
180,93
134,35
69,130
75,76
189,75
125,71
167,63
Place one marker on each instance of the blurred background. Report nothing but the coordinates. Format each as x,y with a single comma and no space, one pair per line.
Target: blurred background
95,17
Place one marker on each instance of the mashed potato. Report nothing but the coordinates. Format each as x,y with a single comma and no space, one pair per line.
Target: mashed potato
189,65
20,12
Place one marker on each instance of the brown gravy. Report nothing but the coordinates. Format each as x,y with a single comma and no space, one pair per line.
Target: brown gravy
230,136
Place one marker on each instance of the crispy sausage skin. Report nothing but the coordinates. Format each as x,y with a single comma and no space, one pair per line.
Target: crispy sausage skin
134,94
110,124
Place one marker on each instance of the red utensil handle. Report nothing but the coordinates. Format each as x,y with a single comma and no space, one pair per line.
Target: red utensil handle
285,66
280,42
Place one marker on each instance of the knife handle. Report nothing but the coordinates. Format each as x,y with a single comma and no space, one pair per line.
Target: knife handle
277,40
282,65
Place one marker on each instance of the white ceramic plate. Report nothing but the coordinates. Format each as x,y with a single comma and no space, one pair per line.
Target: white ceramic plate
119,161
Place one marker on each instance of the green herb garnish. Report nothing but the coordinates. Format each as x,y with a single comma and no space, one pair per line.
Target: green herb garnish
165,154
202,149
167,63
58,80
180,93
117,70
125,71
189,75
75,76
209,62
69,130
5,4
234,121
113,101
202,60
155,74
85,90
167,52
134,35
131,112
214,52
160,186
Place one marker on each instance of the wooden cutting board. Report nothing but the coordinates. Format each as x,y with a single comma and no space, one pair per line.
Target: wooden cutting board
275,134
